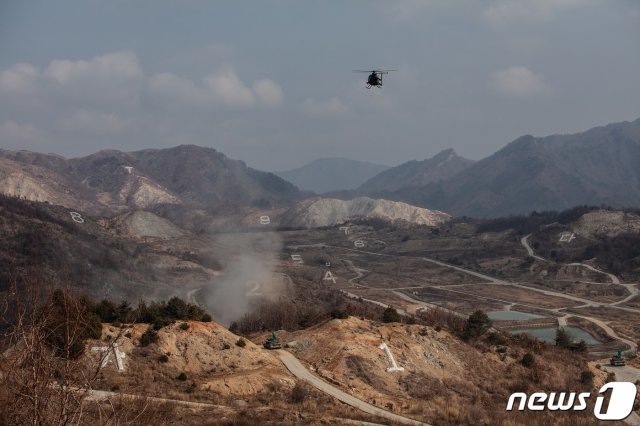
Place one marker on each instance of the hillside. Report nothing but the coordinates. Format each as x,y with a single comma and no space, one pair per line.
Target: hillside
134,255
318,212
331,174
442,166
595,167
112,181
445,380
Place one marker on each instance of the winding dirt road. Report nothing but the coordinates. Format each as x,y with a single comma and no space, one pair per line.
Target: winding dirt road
300,371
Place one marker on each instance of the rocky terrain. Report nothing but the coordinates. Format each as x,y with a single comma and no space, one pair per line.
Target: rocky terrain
318,212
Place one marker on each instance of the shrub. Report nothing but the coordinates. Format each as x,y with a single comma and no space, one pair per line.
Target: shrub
563,339
438,328
477,324
241,343
182,377
226,345
161,322
528,360
206,318
163,358
184,326
148,337
390,315
586,377
299,393
338,314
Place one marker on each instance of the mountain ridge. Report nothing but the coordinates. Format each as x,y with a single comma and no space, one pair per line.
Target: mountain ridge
598,166
331,174
441,166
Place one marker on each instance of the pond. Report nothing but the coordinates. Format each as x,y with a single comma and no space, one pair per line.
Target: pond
548,334
511,315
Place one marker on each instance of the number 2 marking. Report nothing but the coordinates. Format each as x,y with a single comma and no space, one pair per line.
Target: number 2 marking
255,290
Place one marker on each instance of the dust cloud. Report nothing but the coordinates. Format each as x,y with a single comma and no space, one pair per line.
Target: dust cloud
248,275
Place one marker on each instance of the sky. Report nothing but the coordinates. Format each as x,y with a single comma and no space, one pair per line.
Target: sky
270,82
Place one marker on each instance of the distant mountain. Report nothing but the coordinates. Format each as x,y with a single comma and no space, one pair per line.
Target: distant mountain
331,174
417,173
599,166
110,181
316,212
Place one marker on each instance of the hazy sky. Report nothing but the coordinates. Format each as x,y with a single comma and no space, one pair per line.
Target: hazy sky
270,82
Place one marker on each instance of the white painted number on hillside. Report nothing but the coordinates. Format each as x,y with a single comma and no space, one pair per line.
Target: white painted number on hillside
297,259
77,217
567,237
345,229
265,220
328,276
255,289
358,243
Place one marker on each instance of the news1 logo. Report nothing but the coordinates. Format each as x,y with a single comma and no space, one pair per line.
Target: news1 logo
623,396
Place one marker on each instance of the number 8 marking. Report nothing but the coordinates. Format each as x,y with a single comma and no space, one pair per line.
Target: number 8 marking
77,217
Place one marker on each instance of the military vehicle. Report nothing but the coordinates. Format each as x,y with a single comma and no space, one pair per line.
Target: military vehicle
272,342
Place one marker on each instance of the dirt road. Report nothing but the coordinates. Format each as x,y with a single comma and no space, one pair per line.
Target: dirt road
525,242
585,302
300,371
624,374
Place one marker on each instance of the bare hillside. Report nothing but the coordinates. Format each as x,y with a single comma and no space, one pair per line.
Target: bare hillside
328,211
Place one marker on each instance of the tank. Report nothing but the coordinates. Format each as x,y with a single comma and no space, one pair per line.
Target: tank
272,342
618,360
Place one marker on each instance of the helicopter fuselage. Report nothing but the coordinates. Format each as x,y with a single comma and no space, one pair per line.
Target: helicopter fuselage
374,79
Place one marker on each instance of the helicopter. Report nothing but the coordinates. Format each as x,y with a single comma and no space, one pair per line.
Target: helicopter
375,78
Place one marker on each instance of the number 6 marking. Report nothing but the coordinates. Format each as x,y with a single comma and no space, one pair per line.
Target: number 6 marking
77,217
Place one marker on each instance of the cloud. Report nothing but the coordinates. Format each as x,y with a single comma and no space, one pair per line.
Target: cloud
92,123
519,82
503,13
116,66
19,79
223,88
12,132
228,88
268,92
173,87
110,79
405,10
332,107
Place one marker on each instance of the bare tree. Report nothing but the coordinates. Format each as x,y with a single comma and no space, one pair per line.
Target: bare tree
43,372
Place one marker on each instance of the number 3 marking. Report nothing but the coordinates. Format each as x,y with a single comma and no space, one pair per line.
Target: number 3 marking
77,217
